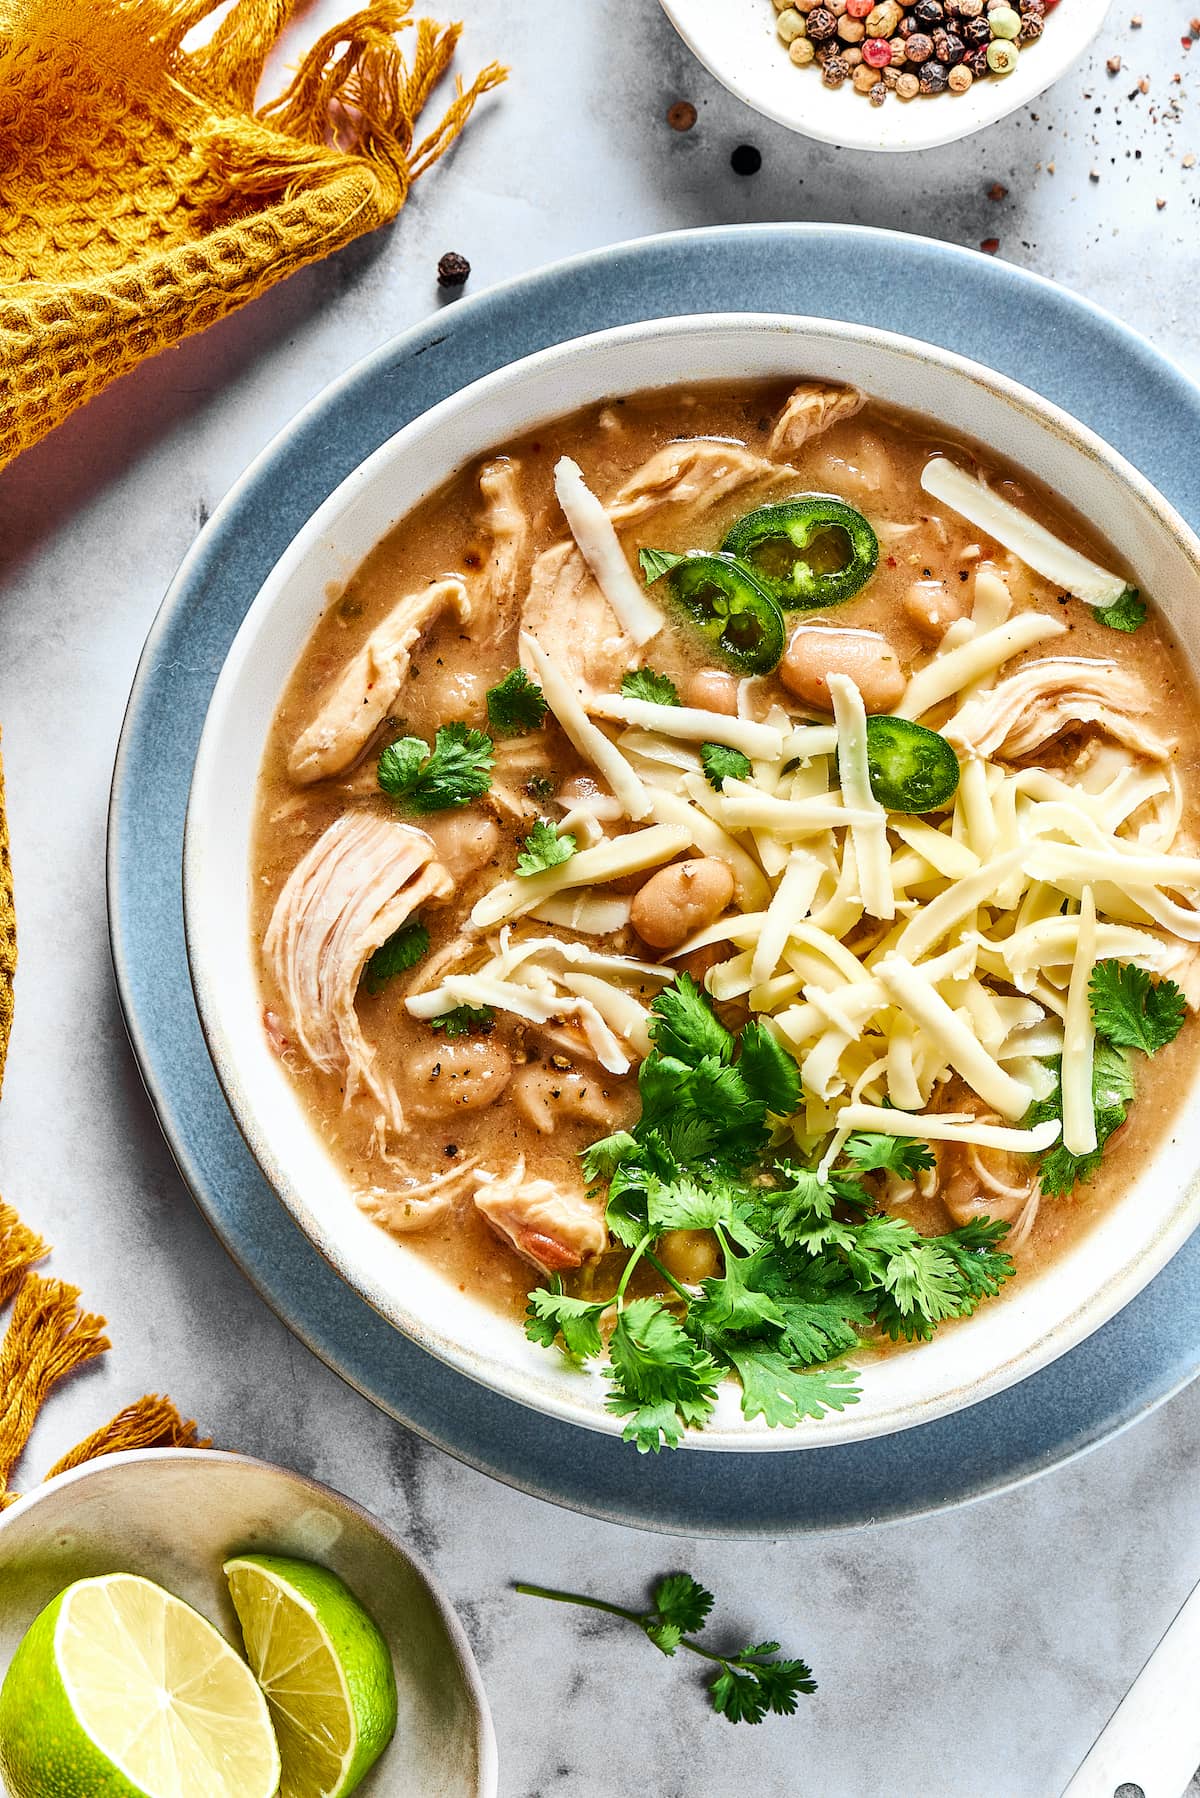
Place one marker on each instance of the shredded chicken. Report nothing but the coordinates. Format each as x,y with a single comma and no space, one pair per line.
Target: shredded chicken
565,608
507,524
419,1203
1047,697
813,408
554,1227
360,881
366,689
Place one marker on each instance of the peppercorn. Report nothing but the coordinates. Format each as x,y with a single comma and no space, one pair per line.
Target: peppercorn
976,31
878,94
948,47
899,51
1002,57
859,9
891,77
920,47
882,20
1032,27
790,24
907,87
801,52
928,13
863,78
852,56
969,9
821,24
745,160
933,76
835,72
877,52
1033,6
453,269
851,31
960,79
681,116
976,60
1005,22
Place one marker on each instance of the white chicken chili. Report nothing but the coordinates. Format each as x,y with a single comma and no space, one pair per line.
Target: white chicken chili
728,888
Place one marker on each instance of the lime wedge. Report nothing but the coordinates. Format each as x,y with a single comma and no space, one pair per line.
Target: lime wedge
119,1690
324,1667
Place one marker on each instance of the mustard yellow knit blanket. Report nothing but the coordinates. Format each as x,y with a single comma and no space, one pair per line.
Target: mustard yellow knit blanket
143,194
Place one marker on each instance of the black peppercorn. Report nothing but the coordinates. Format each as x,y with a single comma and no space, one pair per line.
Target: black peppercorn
745,160
977,31
933,76
976,60
835,70
969,9
906,27
1033,6
453,269
920,47
928,13
1032,27
948,47
821,24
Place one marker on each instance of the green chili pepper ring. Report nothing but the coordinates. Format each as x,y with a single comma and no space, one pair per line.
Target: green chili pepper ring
912,769
772,542
726,604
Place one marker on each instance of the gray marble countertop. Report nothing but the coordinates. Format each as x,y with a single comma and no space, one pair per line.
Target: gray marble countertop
971,1655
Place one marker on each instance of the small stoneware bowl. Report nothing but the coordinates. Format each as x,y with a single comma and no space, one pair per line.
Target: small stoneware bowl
175,1515
737,42
1045,1315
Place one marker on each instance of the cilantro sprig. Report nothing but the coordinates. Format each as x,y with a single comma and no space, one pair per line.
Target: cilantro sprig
402,950
516,705
465,1020
721,763
644,683
1129,1011
754,1682
544,848
809,1262
1127,613
457,770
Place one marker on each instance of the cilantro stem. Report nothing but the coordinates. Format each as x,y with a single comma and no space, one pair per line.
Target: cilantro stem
669,1277
592,1604
618,1297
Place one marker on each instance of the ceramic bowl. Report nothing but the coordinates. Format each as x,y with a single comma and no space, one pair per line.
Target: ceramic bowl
1042,1317
175,1515
737,42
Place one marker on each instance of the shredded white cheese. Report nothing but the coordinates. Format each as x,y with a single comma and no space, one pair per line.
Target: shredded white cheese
692,723
564,701
600,547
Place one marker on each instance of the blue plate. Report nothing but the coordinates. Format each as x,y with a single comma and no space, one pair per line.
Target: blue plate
1065,348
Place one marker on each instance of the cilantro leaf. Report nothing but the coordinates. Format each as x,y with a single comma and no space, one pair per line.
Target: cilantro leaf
731,1303
871,1154
744,1691
770,1073
686,1204
549,1315
516,705
1126,613
602,1159
781,1394
543,848
540,788
465,1020
662,1381
457,770
402,950
683,1601
654,563
1134,1011
684,1025
720,763
816,1330
1112,1089
644,683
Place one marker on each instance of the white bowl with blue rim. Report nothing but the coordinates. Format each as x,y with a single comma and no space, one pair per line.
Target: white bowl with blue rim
1040,1317
737,41
176,1515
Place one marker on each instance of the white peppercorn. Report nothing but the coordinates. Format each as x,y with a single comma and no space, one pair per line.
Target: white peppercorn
791,24
960,79
801,52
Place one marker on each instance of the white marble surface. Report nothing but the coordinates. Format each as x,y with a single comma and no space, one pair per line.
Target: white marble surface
973,1655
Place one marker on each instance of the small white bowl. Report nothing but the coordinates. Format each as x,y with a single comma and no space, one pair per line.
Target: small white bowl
175,1515
737,42
1042,1317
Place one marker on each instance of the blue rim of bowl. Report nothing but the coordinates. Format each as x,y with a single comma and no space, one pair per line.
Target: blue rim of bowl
1004,1451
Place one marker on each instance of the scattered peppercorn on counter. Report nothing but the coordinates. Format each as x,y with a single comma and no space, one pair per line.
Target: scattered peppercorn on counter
922,47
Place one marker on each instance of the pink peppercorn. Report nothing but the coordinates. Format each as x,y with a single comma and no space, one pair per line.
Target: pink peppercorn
877,51
858,9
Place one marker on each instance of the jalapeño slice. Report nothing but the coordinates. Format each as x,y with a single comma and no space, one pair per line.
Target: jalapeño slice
813,550
912,769
724,603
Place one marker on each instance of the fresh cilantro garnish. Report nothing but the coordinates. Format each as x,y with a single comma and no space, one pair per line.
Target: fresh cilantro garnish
540,788
1125,614
457,770
644,683
654,563
887,1154
543,848
720,763
1130,1011
1134,1011
402,950
749,1684
808,1262
516,704
465,1020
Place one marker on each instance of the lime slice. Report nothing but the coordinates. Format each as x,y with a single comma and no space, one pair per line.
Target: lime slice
324,1667
119,1690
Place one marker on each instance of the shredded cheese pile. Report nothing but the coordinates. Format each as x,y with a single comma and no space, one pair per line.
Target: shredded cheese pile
887,952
